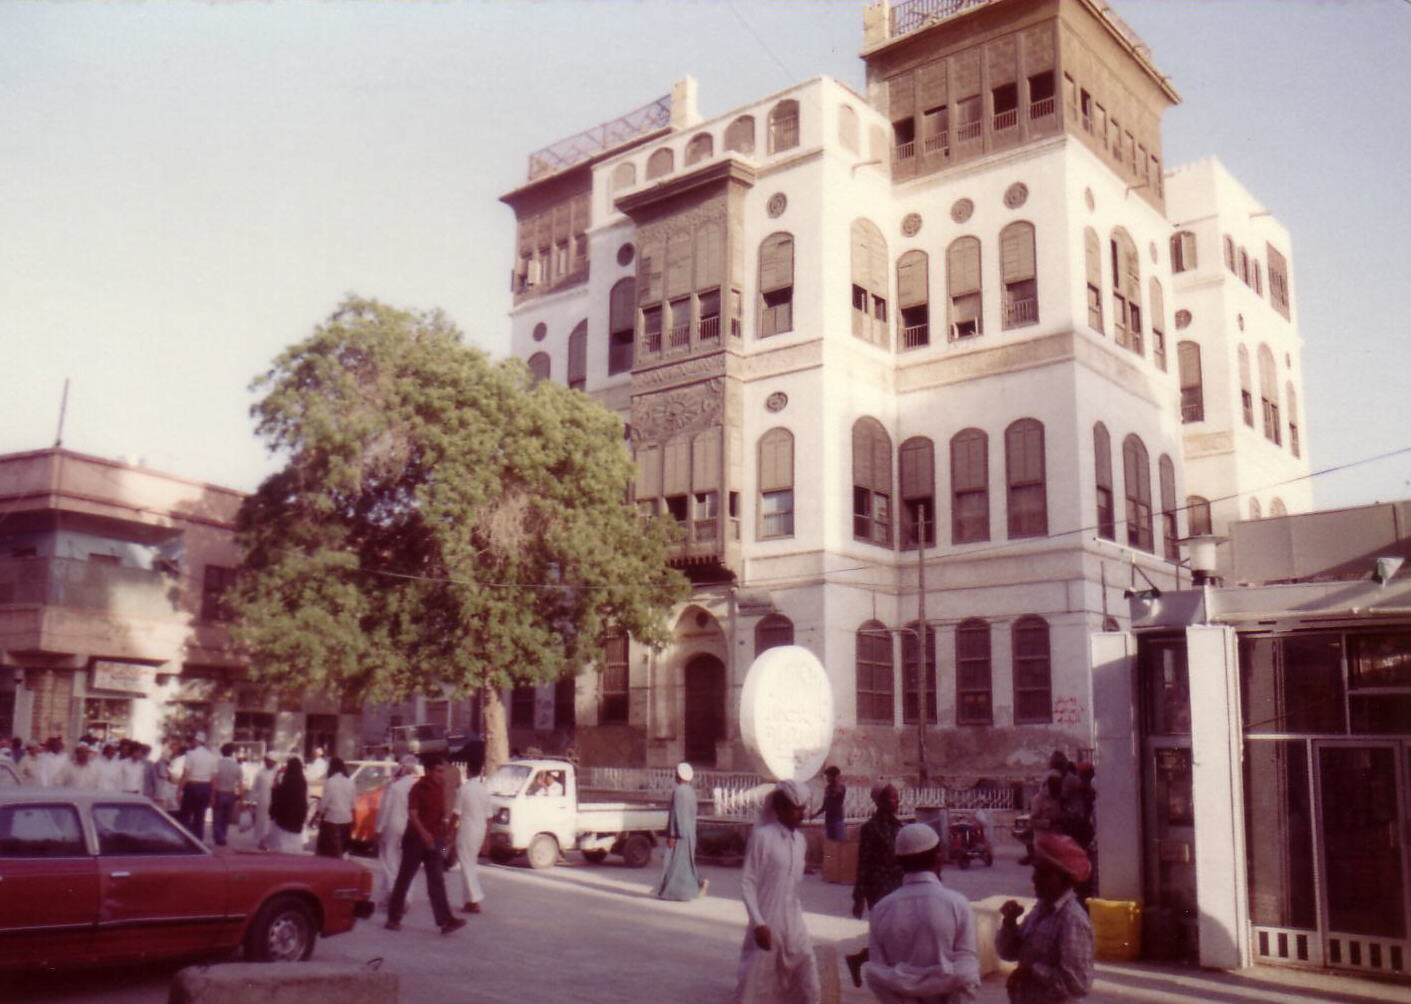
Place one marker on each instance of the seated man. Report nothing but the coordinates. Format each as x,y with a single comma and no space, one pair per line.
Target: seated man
549,782
921,937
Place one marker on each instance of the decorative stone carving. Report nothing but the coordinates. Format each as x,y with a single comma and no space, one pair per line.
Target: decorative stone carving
960,212
778,202
1088,198
786,713
777,401
911,224
1016,195
686,371
1183,318
625,254
658,417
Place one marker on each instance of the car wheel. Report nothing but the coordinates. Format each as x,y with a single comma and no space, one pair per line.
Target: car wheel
284,931
637,852
595,857
543,852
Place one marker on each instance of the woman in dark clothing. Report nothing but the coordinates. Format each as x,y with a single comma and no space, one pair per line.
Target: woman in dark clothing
288,806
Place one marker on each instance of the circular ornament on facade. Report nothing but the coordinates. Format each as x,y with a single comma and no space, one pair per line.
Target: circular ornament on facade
625,254
1088,198
960,212
1151,249
540,330
778,202
1016,195
911,224
777,401
1183,318
786,713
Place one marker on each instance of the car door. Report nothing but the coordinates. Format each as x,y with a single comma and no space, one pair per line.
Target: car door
48,886
160,892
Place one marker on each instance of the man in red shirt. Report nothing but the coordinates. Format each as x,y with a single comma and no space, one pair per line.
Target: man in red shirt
425,843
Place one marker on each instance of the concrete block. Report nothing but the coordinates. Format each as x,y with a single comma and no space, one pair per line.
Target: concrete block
283,983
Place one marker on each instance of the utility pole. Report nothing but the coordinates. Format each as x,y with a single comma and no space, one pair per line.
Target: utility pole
921,639
63,407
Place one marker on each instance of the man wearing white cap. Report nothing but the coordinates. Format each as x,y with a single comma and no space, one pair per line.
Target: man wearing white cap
392,825
679,878
776,960
921,937
194,795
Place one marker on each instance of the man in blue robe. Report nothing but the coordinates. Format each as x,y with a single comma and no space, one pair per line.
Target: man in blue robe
679,878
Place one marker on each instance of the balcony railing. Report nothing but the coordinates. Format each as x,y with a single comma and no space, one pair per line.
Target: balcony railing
904,151
680,336
1041,109
783,135
936,144
915,336
1192,405
591,142
913,15
710,328
1006,119
967,131
1018,313
653,341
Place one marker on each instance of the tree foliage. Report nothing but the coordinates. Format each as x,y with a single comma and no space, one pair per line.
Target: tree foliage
441,520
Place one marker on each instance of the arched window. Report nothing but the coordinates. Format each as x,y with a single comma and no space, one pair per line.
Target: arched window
1278,280
872,482
1246,388
1192,382
1024,472
701,147
1136,477
1229,253
869,283
739,135
776,285
1243,267
1033,678
1170,531
578,357
660,163
1198,515
910,663
875,679
1156,304
970,486
1102,461
1126,292
784,126
622,316
1257,276
1269,396
1255,512
1276,507
776,484
624,175
1183,251
615,697
1017,272
917,477
914,299
973,678
963,287
539,366
772,631
1291,399
1092,256
847,128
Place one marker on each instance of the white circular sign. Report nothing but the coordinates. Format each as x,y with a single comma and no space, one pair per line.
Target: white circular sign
786,713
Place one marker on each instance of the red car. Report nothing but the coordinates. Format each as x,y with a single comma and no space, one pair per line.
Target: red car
100,877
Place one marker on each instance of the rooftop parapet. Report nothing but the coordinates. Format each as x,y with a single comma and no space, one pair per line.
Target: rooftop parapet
651,117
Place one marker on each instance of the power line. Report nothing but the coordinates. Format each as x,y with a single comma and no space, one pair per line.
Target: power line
789,74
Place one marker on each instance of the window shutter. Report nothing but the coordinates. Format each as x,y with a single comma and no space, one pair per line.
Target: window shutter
881,460
963,266
623,306
649,472
1102,454
1168,483
1000,60
1092,251
678,263
676,474
869,257
710,256
649,274
705,461
969,460
901,100
1156,309
776,460
1024,452
578,353
776,263
1017,252
931,84
861,454
1244,368
918,469
912,280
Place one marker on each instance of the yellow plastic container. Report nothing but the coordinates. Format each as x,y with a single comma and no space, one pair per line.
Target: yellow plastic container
1117,929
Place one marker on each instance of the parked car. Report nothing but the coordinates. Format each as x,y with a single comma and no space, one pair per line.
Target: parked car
99,877
9,777
370,780
537,813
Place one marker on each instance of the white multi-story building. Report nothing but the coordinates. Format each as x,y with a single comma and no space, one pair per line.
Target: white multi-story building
838,324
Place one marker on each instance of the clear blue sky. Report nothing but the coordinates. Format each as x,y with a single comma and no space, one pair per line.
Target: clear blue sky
185,189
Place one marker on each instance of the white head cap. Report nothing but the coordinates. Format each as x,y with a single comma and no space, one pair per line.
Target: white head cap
915,838
794,792
201,737
685,771
407,763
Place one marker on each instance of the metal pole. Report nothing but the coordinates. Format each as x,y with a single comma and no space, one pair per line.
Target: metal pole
63,407
921,639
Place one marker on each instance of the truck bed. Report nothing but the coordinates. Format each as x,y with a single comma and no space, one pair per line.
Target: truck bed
619,817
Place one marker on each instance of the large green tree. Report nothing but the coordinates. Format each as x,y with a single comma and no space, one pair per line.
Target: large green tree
441,520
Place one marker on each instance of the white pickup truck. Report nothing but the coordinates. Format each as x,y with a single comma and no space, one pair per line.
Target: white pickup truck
538,814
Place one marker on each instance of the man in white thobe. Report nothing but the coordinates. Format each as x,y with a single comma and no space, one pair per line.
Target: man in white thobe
392,824
317,768
110,768
49,762
776,959
134,770
82,772
472,815
260,789
921,936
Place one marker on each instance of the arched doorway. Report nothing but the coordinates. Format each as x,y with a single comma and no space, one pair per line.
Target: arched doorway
705,709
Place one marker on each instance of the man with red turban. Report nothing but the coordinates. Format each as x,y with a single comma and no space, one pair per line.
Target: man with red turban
1054,944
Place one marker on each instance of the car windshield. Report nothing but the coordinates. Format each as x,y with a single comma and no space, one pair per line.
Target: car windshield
507,781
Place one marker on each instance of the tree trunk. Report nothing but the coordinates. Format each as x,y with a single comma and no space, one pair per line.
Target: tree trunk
497,736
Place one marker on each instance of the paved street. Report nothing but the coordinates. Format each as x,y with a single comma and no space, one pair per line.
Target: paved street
593,933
